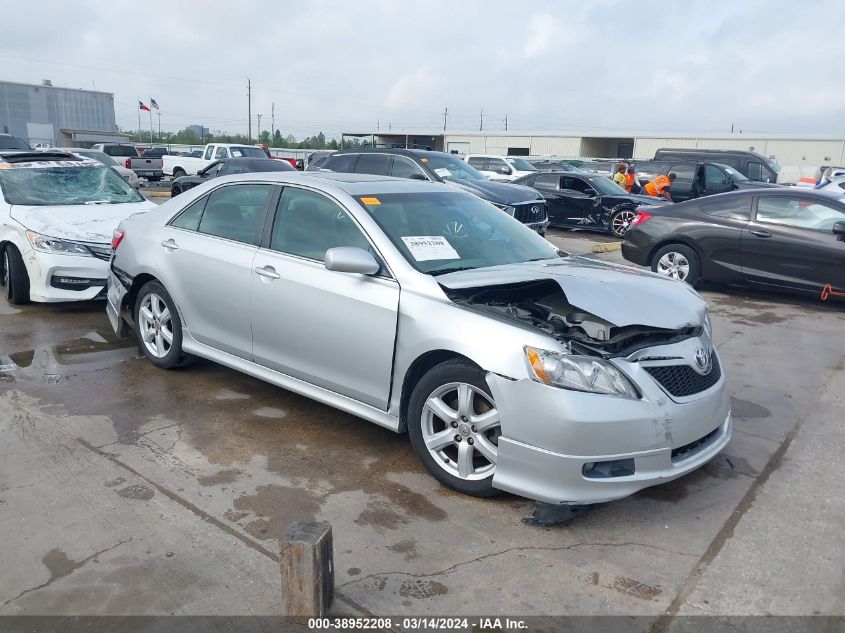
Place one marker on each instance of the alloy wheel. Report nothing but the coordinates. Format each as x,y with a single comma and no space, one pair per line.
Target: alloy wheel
621,221
156,326
674,265
461,428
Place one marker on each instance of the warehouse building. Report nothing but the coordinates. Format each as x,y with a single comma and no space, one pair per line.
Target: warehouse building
48,115
787,150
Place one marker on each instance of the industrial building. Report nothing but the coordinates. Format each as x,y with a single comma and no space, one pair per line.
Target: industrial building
786,149
48,115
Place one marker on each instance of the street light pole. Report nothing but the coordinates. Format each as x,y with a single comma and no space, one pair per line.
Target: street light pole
259,127
249,110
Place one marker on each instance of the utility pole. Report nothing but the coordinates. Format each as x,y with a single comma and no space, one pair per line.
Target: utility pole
249,110
506,123
481,122
259,127
378,121
732,128
272,120
445,114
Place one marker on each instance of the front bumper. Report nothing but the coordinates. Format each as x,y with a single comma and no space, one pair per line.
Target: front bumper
552,438
54,278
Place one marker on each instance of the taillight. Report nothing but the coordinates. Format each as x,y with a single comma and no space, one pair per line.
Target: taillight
642,216
127,163
116,238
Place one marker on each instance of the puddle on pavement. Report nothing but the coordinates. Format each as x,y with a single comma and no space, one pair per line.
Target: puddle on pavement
50,365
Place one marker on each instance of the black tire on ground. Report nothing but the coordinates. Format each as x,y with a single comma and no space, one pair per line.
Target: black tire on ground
178,172
693,277
620,218
175,190
14,277
175,357
452,371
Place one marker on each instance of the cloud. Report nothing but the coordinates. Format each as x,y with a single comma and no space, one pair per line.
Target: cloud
413,89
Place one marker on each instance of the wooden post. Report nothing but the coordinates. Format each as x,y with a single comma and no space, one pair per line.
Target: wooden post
307,566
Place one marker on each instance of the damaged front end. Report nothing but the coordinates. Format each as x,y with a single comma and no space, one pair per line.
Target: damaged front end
543,304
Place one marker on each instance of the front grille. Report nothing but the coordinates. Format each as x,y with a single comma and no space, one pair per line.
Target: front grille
683,380
688,450
530,213
101,252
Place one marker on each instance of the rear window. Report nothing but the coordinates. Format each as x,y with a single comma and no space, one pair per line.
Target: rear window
737,207
120,150
247,152
65,184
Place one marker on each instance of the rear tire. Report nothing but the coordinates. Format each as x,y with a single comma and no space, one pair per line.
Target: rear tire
175,190
453,400
677,261
179,172
159,328
620,219
15,279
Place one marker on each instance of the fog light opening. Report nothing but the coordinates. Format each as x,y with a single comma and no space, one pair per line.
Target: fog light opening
608,470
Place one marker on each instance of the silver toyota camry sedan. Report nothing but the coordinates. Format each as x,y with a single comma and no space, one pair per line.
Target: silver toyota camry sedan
512,365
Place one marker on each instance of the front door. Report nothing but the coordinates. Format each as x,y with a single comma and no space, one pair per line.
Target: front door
335,330
205,258
578,203
790,243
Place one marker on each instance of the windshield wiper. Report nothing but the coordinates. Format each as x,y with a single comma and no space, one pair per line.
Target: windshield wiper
97,202
450,269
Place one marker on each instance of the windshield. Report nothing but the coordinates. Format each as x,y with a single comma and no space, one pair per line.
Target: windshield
59,185
521,164
444,232
450,168
247,152
606,187
772,164
101,157
733,173
12,142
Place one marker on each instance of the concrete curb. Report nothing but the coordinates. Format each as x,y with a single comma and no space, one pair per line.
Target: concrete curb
157,194
607,247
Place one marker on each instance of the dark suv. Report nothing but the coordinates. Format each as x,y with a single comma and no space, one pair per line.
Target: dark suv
523,203
754,166
694,180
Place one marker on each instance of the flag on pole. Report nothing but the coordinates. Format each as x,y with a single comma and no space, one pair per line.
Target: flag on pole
142,106
153,103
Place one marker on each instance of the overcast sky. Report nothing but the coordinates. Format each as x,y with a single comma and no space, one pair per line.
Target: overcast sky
636,66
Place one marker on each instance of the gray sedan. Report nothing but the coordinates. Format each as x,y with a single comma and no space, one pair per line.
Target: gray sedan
511,365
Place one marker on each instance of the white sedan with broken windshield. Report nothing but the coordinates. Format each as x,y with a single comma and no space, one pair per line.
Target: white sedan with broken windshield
57,215
512,366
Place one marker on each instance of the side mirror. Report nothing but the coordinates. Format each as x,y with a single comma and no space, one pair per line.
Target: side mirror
351,259
417,176
507,171
839,231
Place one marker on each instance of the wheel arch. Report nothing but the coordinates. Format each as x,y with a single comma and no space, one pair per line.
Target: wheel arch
132,293
417,369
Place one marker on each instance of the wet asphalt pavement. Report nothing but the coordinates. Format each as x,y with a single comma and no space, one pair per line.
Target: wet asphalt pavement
125,489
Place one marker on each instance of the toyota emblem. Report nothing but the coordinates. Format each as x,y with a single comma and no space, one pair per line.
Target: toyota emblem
702,361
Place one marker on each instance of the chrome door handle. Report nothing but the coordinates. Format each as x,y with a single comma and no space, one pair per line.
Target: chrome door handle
170,244
267,271
761,233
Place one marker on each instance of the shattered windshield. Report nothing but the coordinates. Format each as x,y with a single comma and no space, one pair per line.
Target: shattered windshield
59,184
448,231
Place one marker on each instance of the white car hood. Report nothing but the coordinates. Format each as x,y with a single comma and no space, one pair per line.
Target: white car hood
618,294
82,223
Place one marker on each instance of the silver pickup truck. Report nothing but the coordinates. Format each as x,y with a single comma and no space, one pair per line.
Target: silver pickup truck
148,167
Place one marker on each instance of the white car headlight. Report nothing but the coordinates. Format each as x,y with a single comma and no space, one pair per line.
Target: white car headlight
47,244
581,373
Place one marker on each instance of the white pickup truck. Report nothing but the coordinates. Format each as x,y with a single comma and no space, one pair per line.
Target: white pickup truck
176,166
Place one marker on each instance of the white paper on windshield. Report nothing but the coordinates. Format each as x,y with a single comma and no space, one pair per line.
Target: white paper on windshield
425,248
442,172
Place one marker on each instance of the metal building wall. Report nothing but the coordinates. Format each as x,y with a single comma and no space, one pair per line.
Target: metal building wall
563,146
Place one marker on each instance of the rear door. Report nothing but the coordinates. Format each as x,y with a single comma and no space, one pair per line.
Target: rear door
205,260
331,329
790,244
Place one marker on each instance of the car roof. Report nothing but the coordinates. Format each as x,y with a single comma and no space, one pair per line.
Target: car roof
32,155
420,153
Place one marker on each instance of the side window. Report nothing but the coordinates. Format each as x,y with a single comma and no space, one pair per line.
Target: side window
307,224
216,169
230,167
190,216
550,181
738,208
404,167
344,163
683,171
208,152
221,152
797,212
574,184
376,164
714,177
234,212
478,162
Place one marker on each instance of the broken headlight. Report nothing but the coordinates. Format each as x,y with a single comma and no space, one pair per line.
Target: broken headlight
52,245
581,373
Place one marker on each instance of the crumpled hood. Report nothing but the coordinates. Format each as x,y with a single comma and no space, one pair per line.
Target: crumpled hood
82,223
498,192
618,294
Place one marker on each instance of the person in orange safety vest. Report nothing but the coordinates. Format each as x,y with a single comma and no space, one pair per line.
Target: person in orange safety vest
630,179
659,187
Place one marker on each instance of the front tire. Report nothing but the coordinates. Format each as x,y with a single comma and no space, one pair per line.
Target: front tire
175,190
677,261
14,277
179,172
454,427
158,327
620,220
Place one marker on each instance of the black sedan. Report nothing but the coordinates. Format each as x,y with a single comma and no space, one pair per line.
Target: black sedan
587,201
227,168
780,239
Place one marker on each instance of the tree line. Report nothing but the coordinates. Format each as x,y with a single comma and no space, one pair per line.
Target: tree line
187,136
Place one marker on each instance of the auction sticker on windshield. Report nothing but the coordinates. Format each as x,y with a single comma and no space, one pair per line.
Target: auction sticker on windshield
442,172
425,248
